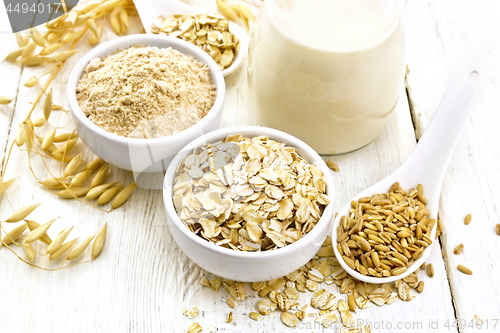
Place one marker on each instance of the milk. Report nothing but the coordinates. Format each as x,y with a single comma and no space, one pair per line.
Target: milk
329,72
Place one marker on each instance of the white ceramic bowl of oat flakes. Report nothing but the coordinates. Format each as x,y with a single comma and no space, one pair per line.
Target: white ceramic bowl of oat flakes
134,154
249,266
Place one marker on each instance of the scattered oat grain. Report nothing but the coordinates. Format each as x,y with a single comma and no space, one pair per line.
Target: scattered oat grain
464,270
430,270
458,249
332,166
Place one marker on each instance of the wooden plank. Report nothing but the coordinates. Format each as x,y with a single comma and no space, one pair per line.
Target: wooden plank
142,280
447,32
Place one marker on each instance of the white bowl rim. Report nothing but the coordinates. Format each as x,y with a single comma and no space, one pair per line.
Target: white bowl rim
272,134
141,39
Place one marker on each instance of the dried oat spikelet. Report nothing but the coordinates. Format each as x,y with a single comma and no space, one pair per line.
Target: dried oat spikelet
72,16
73,192
67,146
35,60
52,36
54,184
108,195
49,49
59,240
57,155
39,122
124,21
71,37
65,137
106,6
114,19
100,176
63,56
78,250
123,196
22,213
20,40
94,165
29,49
93,40
14,55
28,250
80,178
73,165
47,105
32,225
86,7
48,140
247,12
31,82
65,247
37,37
226,10
99,241
96,192
14,234
237,9
21,135
38,232
92,25
4,100
5,185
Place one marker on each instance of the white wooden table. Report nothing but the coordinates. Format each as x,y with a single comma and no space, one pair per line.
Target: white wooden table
141,281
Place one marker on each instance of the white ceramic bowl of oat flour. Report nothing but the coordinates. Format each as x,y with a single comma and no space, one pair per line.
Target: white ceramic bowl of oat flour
249,266
142,155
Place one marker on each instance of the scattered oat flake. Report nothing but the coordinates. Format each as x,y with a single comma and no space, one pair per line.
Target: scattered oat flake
289,319
254,315
190,312
194,328
332,166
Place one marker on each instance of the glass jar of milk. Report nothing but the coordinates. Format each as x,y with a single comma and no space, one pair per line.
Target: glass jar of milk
329,72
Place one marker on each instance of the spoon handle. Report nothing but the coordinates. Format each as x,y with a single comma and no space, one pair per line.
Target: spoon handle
430,158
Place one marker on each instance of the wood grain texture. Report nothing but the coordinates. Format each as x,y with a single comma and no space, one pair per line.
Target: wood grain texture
442,34
142,280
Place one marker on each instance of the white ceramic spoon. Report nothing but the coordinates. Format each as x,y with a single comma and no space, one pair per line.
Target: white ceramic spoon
149,10
429,160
